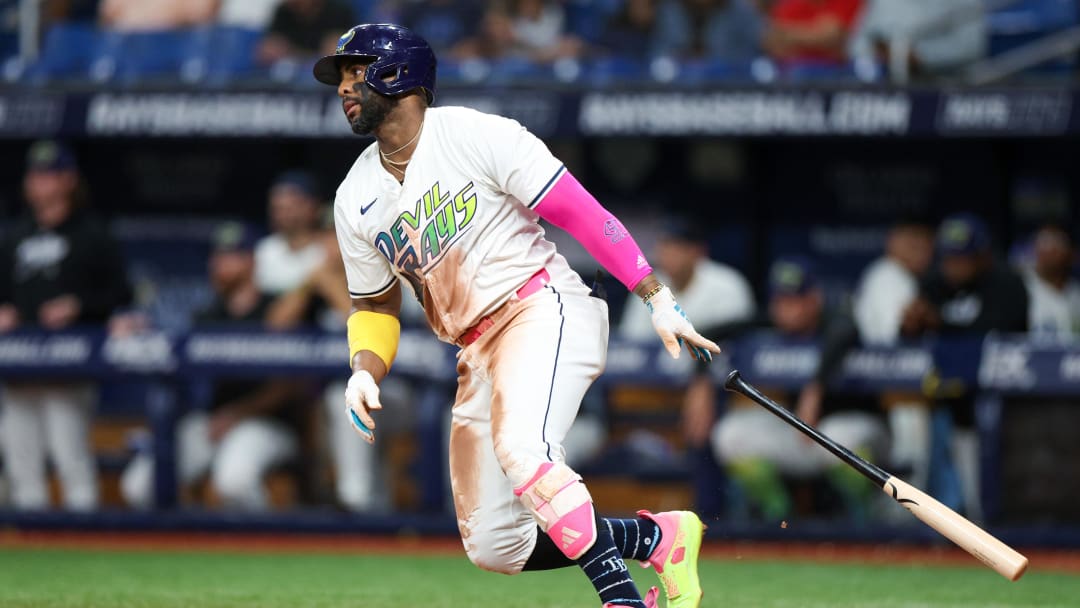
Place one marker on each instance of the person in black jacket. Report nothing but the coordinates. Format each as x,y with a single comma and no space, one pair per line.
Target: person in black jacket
58,268
758,449
968,295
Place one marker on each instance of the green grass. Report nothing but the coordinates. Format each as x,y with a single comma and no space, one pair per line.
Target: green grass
42,578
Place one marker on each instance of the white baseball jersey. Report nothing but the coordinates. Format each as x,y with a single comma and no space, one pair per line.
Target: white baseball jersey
1052,312
460,229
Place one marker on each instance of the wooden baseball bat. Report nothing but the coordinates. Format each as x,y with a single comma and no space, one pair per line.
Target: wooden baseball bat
1002,558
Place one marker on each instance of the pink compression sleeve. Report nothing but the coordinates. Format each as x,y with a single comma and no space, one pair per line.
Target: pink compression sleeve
570,207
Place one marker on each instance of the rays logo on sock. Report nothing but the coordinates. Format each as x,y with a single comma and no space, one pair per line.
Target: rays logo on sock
614,564
419,238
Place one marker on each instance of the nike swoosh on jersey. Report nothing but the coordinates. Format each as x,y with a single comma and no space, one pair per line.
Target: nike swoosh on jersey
365,208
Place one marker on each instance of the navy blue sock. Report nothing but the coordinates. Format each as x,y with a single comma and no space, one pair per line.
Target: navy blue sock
606,569
634,538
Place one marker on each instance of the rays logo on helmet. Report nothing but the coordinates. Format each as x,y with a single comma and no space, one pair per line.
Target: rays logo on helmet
344,41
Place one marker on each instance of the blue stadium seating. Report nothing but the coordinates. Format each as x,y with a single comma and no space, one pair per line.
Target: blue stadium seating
1029,20
702,72
614,70
231,54
163,55
219,56
69,51
80,51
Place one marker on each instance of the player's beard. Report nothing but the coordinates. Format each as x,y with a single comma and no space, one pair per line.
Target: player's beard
374,108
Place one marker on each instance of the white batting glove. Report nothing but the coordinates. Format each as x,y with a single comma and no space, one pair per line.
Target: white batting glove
673,327
362,396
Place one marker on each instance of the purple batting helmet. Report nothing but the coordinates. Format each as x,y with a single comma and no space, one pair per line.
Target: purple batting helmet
394,50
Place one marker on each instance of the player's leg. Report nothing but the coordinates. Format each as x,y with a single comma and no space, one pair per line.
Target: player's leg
498,532
541,364
246,454
865,435
755,447
24,447
67,431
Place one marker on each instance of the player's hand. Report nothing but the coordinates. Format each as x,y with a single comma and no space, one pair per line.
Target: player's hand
362,396
674,328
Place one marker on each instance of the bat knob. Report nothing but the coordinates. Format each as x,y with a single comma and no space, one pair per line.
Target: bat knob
733,380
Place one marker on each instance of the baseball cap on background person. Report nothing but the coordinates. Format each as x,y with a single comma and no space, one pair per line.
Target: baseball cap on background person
962,234
300,181
682,228
794,275
50,156
232,237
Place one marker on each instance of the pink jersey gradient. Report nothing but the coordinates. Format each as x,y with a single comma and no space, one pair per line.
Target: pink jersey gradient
570,206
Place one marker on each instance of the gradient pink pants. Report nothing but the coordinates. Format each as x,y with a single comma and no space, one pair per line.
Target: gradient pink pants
519,389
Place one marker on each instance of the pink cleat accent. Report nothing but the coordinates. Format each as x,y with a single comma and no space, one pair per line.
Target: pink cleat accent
650,600
675,557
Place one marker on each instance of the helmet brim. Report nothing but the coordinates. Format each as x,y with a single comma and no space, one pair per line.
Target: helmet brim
328,69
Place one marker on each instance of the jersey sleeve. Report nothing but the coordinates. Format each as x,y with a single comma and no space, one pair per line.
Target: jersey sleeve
515,160
368,271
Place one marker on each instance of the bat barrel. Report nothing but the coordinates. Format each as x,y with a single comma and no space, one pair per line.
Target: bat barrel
976,541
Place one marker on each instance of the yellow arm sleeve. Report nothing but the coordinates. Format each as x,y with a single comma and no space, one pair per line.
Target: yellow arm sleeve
374,331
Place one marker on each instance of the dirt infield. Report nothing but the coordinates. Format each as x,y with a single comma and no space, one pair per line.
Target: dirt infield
1041,560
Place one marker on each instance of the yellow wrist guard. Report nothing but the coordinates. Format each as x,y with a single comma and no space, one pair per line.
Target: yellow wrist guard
374,331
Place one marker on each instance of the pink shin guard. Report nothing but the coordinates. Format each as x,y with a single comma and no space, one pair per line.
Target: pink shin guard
562,507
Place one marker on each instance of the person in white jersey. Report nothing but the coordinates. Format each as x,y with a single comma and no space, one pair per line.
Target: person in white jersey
447,201
1054,313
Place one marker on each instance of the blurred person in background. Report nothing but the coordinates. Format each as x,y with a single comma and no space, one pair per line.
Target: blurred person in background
1054,310
443,23
721,297
758,449
886,288
635,21
970,291
524,29
891,283
718,294
810,31
252,14
969,294
323,296
715,29
287,257
59,267
250,427
144,15
936,36
302,29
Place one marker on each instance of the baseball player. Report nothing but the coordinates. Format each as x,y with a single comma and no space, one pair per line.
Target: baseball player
446,201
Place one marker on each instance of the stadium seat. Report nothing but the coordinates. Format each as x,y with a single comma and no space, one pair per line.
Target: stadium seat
69,52
230,54
512,70
1027,21
613,70
713,70
800,72
9,45
147,57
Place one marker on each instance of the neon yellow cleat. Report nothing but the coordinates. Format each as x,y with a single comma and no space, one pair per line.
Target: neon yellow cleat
676,555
